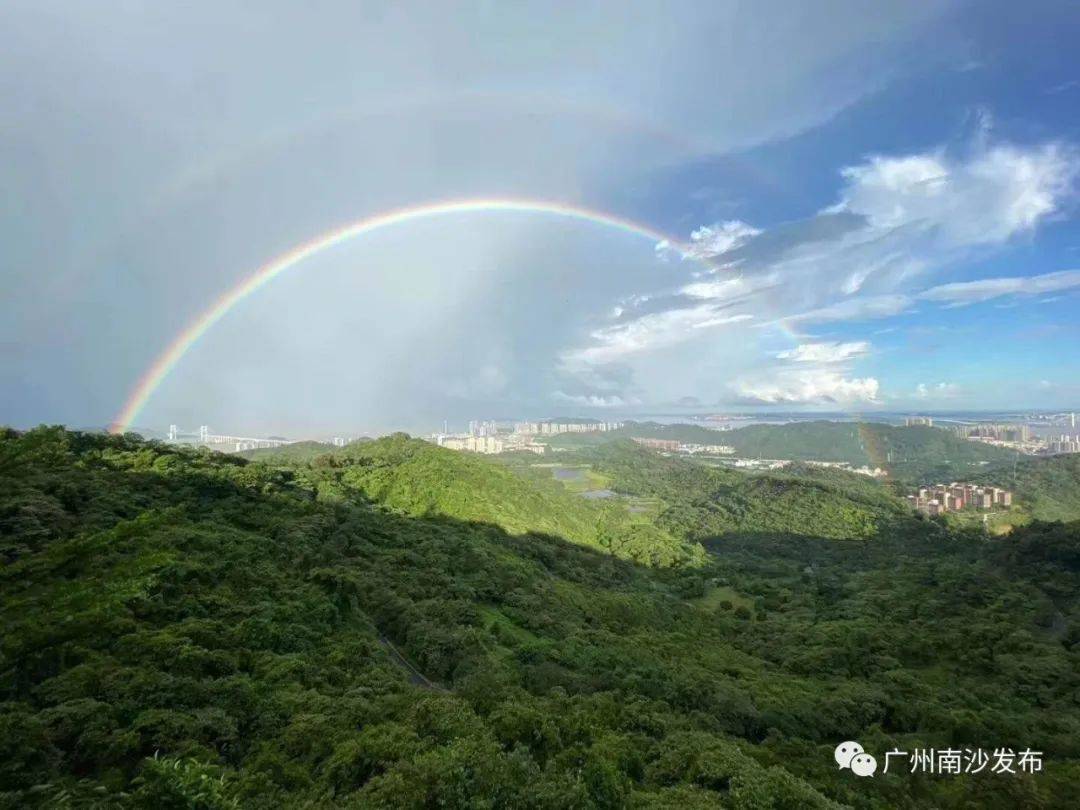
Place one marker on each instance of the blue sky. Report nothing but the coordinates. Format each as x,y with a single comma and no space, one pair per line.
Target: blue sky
880,202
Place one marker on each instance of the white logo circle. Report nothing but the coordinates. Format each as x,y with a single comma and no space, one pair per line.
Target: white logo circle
845,752
863,765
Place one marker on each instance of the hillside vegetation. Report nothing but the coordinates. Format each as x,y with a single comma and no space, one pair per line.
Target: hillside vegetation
1049,488
909,454
705,502
297,451
419,479
184,629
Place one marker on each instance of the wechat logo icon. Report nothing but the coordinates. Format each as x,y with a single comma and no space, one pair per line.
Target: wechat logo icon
850,754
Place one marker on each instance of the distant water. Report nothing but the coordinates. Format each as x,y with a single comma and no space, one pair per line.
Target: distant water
945,418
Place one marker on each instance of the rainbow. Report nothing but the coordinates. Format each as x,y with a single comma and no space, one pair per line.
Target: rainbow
165,362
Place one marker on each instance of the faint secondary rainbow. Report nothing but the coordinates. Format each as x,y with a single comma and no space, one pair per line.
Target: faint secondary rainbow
167,360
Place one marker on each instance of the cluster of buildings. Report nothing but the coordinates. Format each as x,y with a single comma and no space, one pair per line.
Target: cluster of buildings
758,464
502,443
941,498
1063,444
488,427
1019,436
998,433
1022,438
554,428
866,469
1067,419
474,444
488,436
673,446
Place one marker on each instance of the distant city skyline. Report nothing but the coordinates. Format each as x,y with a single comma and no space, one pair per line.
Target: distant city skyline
1031,431
306,225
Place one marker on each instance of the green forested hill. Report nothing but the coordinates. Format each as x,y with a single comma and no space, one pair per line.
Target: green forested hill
297,451
186,629
819,441
419,479
1047,487
705,502
910,454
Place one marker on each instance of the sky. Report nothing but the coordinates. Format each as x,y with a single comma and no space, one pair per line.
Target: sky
843,207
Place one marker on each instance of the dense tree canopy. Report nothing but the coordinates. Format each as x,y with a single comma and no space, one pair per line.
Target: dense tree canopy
187,629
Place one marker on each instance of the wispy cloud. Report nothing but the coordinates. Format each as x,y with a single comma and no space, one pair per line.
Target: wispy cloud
1072,84
712,241
971,292
855,309
825,352
650,332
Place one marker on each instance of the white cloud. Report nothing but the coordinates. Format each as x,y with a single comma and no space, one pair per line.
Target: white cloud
811,386
711,241
921,213
941,390
899,222
996,194
971,292
811,373
887,189
595,400
825,352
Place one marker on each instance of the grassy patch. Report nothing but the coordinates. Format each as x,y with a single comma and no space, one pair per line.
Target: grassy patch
716,594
